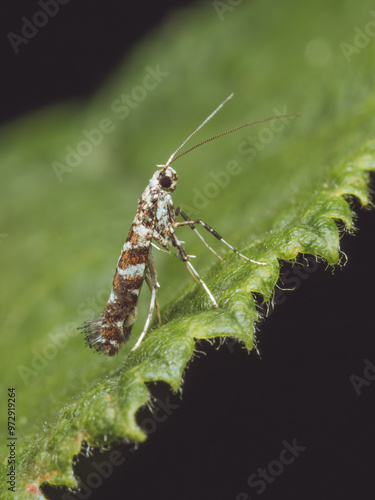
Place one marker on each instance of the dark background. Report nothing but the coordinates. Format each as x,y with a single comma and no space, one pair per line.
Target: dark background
237,409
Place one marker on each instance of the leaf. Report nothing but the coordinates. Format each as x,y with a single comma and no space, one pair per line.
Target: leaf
281,188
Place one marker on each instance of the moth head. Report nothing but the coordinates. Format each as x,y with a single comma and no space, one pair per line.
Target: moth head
167,179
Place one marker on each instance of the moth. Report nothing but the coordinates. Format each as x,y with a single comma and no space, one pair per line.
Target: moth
155,220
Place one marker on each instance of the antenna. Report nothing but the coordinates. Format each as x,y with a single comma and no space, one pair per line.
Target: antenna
255,122
198,128
172,158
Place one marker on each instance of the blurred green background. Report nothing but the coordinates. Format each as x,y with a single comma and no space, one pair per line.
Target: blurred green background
62,234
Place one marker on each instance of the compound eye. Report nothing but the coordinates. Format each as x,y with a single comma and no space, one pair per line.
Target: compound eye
165,181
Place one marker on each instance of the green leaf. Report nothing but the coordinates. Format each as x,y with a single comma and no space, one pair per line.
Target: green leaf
274,191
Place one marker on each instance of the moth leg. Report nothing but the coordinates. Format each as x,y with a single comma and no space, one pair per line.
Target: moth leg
148,281
152,283
160,249
214,233
187,218
190,268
